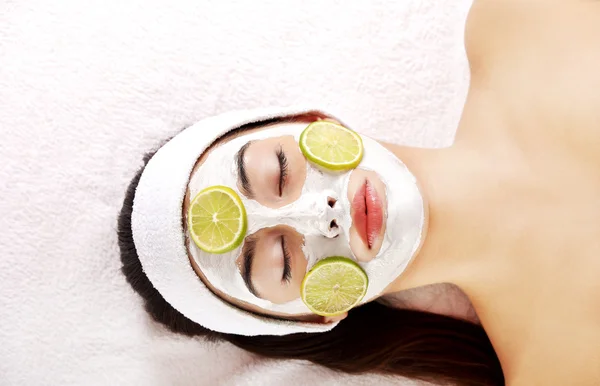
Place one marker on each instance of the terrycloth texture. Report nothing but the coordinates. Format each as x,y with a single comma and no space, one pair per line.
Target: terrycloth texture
87,87
159,237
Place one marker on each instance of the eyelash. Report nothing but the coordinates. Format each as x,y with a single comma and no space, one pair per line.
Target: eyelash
283,169
287,269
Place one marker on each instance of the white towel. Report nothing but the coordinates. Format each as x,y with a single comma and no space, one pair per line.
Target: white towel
87,87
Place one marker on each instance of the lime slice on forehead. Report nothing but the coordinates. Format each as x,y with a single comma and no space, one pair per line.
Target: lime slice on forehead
217,219
331,146
333,286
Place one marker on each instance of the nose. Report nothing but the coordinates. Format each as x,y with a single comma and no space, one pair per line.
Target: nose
329,222
316,214
313,213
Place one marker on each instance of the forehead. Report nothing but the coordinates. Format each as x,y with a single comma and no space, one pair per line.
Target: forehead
225,150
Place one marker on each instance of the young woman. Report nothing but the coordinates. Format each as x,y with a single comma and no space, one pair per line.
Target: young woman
483,264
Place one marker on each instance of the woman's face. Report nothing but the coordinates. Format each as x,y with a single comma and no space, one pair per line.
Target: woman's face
297,214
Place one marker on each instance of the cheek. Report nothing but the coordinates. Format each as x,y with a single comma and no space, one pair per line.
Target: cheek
297,173
266,271
319,247
299,271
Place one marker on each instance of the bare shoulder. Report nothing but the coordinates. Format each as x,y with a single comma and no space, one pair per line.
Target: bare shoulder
534,53
499,29
561,360
441,299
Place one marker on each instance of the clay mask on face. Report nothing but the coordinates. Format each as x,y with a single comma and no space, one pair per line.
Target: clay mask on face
310,215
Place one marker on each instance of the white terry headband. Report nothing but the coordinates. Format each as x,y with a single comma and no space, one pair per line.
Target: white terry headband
158,234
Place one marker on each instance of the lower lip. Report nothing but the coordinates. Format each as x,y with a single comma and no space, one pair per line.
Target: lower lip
368,213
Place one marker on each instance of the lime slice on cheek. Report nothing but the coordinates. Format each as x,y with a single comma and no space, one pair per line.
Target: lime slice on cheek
333,286
331,146
217,219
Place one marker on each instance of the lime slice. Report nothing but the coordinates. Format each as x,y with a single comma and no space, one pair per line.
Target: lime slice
217,219
333,286
331,146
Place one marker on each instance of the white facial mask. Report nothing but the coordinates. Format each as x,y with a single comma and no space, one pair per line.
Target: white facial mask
310,215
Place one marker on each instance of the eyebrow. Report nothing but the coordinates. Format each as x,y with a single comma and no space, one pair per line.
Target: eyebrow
248,254
241,168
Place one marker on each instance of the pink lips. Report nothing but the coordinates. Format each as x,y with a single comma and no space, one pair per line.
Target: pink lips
367,213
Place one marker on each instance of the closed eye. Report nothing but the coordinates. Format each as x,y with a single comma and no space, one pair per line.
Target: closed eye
287,266
283,169
240,160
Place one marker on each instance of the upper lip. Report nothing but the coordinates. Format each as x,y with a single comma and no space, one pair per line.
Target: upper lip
367,213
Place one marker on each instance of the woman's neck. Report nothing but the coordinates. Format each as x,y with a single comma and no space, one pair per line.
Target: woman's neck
456,243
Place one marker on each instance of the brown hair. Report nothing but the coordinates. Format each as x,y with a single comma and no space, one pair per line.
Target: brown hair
373,338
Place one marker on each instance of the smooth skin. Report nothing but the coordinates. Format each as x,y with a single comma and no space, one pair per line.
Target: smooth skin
515,207
514,204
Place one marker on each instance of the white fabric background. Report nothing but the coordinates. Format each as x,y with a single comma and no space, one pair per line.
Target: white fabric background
87,87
